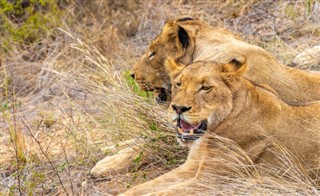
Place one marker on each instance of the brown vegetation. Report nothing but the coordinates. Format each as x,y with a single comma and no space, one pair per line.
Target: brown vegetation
64,93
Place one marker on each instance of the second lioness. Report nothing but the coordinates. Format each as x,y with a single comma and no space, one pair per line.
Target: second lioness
188,40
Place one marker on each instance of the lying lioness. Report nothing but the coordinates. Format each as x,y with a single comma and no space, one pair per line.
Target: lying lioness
188,40
208,101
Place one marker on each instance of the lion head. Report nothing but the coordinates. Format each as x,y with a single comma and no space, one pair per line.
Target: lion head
177,40
149,71
202,96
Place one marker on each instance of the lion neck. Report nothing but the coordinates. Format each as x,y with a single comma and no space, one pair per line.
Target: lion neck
214,44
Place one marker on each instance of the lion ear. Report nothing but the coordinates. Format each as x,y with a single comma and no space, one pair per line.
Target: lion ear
184,18
173,30
173,68
183,37
236,66
182,32
233,70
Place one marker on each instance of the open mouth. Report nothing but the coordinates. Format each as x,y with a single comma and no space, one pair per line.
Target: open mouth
186,131
162,95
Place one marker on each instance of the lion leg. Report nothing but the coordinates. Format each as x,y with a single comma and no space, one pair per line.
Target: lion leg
169,179
189,170
189,187
120,161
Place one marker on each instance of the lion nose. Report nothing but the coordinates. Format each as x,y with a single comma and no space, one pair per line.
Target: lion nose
180,109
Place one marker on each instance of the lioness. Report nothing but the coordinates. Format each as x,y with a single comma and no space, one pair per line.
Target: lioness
208,101
188,40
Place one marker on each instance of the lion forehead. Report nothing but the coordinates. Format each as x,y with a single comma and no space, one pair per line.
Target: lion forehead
201,72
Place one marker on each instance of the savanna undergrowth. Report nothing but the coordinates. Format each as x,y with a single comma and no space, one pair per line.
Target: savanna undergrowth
65,92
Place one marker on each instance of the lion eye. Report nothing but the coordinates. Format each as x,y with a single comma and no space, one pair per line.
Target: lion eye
206,88
151,55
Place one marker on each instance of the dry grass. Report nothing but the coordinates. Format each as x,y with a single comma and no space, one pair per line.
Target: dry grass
66,95
244,178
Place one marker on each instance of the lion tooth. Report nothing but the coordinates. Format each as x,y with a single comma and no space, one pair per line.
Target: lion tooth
174,118
180,130
191,132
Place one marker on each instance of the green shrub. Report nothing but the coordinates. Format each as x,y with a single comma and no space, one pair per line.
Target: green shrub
24,22
135,88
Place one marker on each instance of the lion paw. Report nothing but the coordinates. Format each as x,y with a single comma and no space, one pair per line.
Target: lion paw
308,59
116,163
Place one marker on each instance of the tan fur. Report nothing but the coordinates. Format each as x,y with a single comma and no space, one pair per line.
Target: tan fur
238,110
208,43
